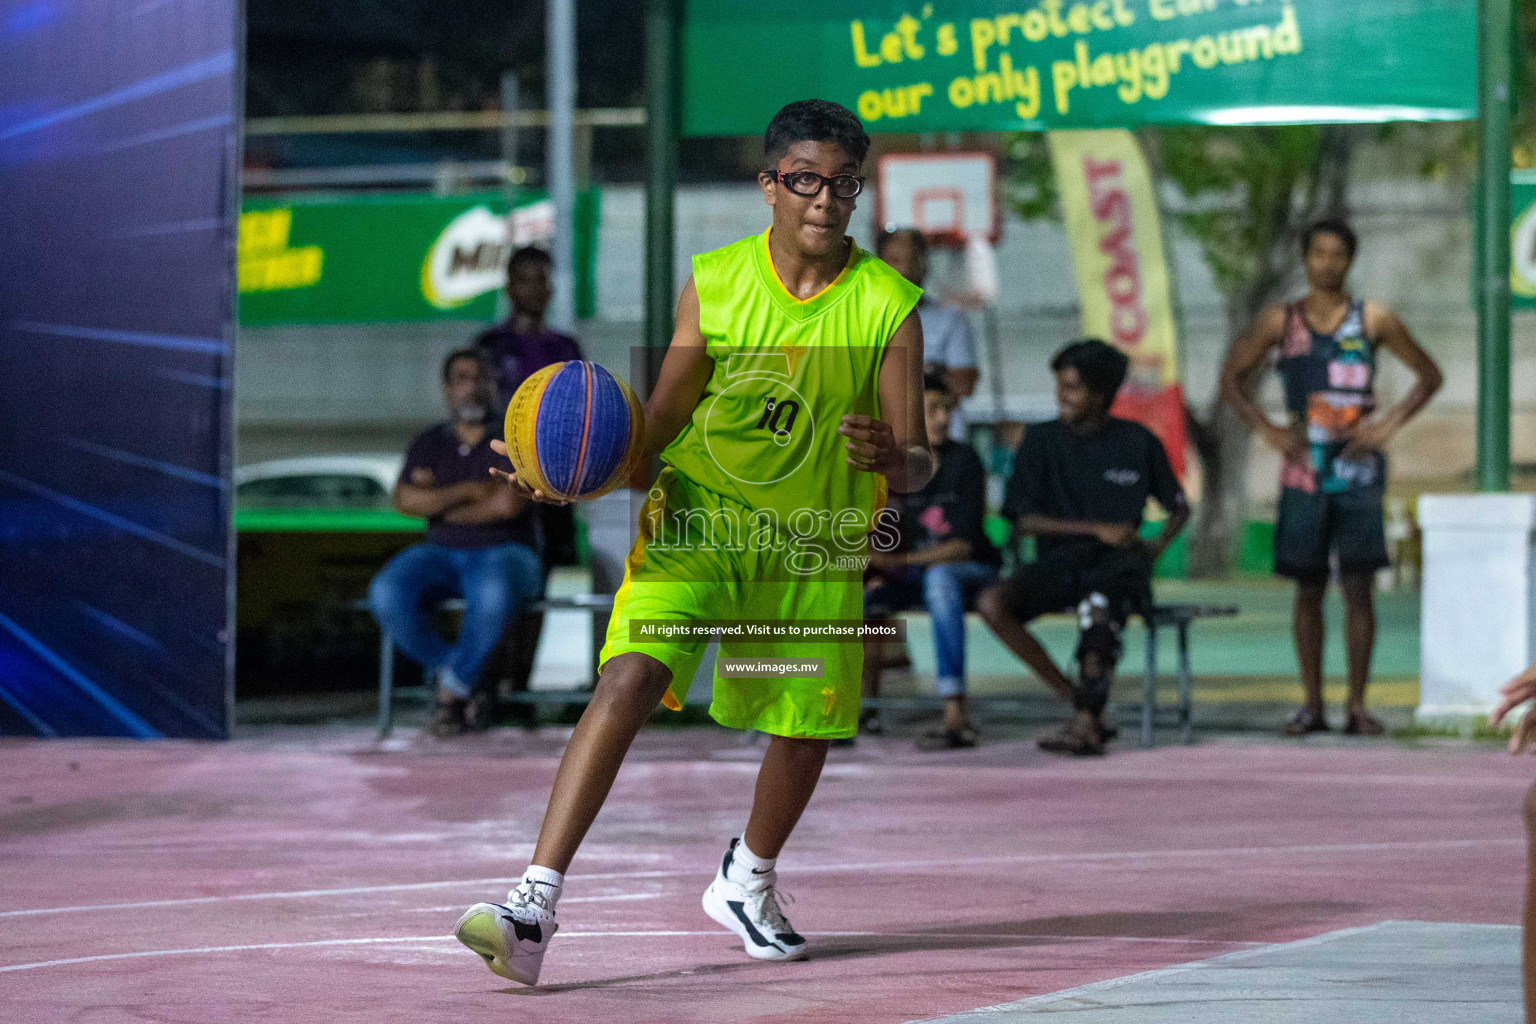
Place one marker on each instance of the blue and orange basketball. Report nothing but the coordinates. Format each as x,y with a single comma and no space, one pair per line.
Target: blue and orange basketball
574,430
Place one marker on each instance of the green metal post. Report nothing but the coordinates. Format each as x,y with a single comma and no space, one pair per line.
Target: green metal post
1495,32
661,113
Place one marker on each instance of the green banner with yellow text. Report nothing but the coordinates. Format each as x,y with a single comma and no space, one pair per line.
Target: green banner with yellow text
991,65
394,258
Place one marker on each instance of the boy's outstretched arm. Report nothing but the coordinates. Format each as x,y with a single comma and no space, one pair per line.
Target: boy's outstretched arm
685,373
896,447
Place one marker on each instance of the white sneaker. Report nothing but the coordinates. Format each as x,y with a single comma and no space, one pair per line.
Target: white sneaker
511,936
752,912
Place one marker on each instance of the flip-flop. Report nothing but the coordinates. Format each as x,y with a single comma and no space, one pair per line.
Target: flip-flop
1302,722
1363,723
1067,740
947,739
448,717
479,710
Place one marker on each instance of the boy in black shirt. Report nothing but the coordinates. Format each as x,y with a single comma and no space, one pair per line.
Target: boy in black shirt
1080,484
945,561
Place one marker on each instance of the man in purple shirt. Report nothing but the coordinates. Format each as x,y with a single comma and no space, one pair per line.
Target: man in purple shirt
521,345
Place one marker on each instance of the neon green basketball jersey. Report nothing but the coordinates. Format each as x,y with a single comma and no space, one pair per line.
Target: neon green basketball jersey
786,372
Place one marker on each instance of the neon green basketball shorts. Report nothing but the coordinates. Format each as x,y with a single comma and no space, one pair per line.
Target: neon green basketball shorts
668,581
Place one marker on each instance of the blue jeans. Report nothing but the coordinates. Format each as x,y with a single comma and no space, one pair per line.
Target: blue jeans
945,591
496,583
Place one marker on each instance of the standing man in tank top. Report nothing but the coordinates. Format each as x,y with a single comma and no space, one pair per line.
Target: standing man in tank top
1333,473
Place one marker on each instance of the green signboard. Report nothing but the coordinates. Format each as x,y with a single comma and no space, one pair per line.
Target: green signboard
398,257
989,65
1522,264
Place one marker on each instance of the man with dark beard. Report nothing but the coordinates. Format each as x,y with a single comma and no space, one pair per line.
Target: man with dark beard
481,545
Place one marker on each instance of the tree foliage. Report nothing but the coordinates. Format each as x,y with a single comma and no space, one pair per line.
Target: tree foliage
1243,187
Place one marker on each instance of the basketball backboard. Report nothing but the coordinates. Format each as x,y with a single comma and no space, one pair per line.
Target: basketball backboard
947,196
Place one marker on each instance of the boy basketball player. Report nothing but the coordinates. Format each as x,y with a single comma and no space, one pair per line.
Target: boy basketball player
1333,477
790,396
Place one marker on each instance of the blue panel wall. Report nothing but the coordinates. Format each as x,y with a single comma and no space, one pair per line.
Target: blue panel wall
119,150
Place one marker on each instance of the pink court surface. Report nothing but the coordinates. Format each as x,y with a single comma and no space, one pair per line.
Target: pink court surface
311,875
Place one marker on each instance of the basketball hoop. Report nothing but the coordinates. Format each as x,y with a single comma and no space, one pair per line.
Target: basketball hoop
946,196
939,210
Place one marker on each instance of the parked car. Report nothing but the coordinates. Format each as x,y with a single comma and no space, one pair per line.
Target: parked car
312,532
319,482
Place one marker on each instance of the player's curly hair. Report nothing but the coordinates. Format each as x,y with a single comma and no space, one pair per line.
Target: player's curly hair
530,254
934,380
1335,226
814,121
1100,366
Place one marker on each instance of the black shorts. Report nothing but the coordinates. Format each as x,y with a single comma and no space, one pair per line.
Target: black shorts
1311,527
1060,578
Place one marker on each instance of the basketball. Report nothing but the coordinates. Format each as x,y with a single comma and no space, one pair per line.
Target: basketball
573,430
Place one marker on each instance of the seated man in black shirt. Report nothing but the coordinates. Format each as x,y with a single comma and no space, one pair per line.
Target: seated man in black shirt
945,561
1080,484
482,545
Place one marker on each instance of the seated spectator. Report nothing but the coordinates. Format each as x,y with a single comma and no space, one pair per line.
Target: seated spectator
481,545
521,345
945,561
1080,484
949,349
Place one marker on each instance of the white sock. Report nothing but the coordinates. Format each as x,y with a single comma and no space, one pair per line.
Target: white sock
747,867
548,883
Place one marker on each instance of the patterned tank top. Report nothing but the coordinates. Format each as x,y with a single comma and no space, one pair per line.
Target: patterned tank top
1330,387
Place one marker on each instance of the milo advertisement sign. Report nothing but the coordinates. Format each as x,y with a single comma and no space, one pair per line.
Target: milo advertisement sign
467,260
392,258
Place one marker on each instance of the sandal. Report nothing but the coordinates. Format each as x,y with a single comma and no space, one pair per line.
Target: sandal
448,717
1068,739
1362,723
479,710
947,739
1302,722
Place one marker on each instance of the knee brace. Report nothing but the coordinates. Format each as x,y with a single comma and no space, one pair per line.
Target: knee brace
1098,652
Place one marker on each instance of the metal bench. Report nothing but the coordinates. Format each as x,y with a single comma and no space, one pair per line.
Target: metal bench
1179,616
597,604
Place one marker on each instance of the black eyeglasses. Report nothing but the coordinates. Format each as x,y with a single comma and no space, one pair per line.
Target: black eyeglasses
809,183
